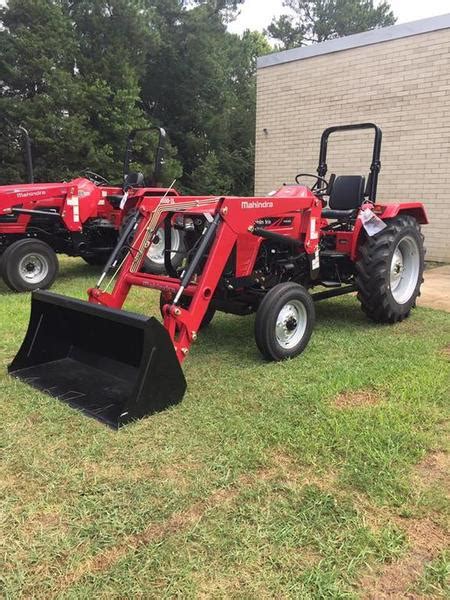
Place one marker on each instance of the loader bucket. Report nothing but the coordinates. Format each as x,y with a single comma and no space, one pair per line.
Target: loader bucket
113,365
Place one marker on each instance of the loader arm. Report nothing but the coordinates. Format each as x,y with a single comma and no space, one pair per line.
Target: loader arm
235,221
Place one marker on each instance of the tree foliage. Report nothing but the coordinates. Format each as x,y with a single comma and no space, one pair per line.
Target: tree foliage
69,77
320,20
80,74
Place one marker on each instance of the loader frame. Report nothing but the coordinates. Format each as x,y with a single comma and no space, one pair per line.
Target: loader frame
229,229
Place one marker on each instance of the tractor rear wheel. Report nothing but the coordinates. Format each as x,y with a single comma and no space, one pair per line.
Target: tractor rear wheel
154,261
29,265
284,321
389,272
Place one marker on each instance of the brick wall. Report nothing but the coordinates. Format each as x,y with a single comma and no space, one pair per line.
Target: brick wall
402,85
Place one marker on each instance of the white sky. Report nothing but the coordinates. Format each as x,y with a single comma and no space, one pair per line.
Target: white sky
257,14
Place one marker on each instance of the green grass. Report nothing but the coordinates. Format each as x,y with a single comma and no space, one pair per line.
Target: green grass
257,485
436,577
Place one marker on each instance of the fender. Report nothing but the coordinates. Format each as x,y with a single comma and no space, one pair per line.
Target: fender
415,209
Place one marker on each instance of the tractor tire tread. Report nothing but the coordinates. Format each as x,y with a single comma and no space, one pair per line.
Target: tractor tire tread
373,267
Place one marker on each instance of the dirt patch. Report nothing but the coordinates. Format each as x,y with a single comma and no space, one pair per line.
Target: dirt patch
248,582
179,476
355,399
394,580
154,533
285,468
426,538
281,467
434,468
446,352
42,522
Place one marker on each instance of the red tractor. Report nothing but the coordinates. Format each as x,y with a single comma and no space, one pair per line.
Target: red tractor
81,217
263,255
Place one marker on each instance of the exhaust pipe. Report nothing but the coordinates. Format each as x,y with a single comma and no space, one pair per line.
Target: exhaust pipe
113,365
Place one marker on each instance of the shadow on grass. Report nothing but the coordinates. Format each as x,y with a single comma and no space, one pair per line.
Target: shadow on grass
339,312
78,269
4,290
234,335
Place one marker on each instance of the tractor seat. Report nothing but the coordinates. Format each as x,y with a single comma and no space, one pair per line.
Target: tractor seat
346,196
115,200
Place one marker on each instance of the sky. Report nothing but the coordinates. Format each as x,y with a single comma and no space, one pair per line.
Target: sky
257,14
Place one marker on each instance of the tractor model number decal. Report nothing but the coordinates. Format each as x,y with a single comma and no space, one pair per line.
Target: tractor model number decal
271,221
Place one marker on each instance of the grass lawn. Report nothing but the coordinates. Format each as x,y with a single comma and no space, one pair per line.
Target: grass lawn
322,477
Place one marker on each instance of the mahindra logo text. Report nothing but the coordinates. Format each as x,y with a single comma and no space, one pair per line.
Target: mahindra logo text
256,204
27,194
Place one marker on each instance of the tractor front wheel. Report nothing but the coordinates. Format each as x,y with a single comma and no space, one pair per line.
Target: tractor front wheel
29,265
389,272
284,321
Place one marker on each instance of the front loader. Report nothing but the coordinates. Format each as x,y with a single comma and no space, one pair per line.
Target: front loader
263,255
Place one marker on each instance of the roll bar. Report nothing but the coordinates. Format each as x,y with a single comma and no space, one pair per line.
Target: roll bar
159,156
375,167
26,147
28,156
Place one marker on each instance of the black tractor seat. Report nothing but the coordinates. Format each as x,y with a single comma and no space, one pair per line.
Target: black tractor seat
340,215
130,180
115,200
346,196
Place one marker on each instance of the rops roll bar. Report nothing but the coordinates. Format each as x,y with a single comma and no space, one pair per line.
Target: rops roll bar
375,167
159,155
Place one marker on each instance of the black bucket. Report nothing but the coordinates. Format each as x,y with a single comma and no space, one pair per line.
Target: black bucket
113,365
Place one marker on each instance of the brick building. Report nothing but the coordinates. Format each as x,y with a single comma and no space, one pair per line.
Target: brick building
397,77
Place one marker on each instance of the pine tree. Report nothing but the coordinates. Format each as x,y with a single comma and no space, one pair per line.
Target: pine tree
312,21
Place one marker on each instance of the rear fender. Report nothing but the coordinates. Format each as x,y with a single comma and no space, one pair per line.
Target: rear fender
415,209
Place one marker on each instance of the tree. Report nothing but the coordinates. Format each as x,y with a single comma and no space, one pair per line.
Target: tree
70,73
37,86
201,84
79,74
321,20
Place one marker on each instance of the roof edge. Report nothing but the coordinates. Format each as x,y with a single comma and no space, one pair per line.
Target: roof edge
357,40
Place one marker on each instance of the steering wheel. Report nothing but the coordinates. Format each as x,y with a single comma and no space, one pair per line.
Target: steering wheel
96,178
316,177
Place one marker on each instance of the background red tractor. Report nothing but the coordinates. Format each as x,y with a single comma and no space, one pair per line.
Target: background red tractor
263,255
81,217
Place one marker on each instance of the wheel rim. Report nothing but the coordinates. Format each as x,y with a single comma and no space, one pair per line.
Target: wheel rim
156,250
291,324
33,268
405,268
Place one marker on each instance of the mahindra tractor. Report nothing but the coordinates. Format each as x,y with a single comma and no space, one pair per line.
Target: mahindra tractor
82,217
271,256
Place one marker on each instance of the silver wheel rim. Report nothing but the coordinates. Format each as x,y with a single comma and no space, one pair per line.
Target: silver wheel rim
291,324
33,268
156,251
404,271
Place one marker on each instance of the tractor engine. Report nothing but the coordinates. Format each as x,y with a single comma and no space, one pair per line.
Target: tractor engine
277,263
